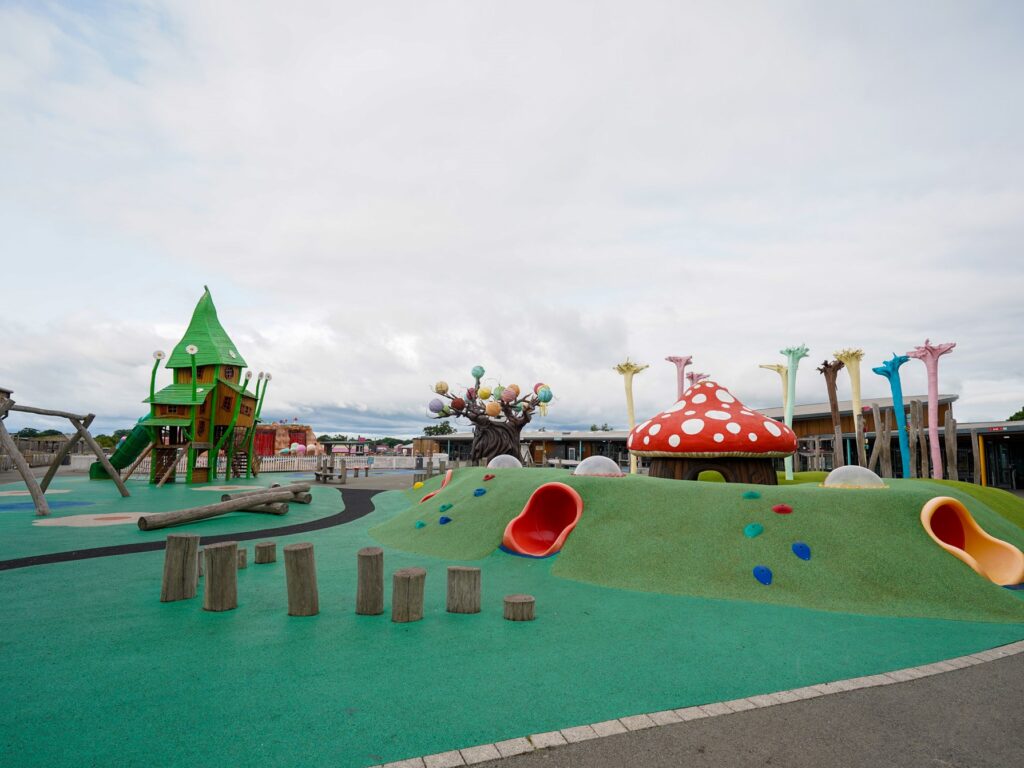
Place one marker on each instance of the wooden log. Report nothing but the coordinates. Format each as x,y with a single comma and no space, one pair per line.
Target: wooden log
200,559
442,467
976,455
876,448
181,568
42,508
266,552
135,464
342,471
243,558
48,412
62,454
885,457
370,581
174,464
952,472
293,488
407,594
862,458
912,429
519,607
221,590
91,442
922,436
463,589
301,498
300,573
181,516
276,508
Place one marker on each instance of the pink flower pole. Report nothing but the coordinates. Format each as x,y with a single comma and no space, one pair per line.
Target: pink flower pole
929,354
681,363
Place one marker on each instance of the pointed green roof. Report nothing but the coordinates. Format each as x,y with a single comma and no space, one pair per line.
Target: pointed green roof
208,336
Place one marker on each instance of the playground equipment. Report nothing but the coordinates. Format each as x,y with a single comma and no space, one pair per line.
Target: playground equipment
257,500
37,490
628,370
548,518
929,354
432,494
954,529
852,358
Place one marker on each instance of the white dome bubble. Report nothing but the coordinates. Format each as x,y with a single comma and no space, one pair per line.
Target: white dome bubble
853,476
597,466
504,462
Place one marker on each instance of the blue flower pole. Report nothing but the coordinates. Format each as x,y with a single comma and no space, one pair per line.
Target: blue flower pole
890,369
793,357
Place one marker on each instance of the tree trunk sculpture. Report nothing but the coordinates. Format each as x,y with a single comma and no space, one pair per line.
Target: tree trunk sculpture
929,354
628,370
830,371
681,363
793,357
851,359
890,369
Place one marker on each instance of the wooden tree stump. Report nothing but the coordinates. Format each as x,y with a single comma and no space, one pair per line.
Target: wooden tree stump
300,573
221,590
952,471
463,589
370,582
302,498
519,607
266,552
407,594
200,558
181,574
243,558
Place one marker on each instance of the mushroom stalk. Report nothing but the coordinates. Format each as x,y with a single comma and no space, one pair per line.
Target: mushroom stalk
628,369
890,369
851,359
929,354
681,362
793,357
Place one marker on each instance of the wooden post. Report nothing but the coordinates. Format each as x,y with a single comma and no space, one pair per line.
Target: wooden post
62,453
912,438
876,449
976,454
370,581
886,455
183,451
266,552
442,467
181,568
341,473
243,558
952,471
221,590
922,436
114,474
862,458
463,589
300,573
407,594
519,607
200,560
42,508
135,464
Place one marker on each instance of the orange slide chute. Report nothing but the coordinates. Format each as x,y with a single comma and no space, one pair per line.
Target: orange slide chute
547,519
953,528
432,494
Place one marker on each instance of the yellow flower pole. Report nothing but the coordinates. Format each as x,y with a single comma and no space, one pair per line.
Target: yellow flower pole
628,369
851,359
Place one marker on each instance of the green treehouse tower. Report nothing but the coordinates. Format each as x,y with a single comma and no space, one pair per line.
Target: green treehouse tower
208,409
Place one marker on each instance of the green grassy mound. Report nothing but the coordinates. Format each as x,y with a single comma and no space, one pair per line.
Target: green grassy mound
1003,502
869,553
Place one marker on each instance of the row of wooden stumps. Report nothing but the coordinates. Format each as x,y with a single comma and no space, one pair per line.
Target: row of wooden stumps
219,564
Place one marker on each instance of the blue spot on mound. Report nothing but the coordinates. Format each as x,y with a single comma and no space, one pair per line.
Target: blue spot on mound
753,530
444,507
479,491
444,520
751,495
801,550
763,574
420,524
16,505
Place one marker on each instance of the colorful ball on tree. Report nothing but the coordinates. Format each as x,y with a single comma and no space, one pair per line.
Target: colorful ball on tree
545,395
435,405
497,392
478,371
508,394
441,387
471,393
446,411
515,388
458,404
493,409
484,393
537,387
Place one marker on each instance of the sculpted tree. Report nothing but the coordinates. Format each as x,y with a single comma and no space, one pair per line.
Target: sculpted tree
498,413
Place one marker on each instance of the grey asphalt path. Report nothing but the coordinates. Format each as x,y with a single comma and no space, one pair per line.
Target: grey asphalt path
970,718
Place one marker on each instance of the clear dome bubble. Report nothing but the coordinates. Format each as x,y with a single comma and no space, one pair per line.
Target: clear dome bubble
853,476
598,466
505,462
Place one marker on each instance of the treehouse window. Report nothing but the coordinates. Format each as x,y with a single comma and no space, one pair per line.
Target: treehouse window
229,372
172,409
226,405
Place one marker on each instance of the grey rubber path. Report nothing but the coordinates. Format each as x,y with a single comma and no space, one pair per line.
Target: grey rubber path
971,717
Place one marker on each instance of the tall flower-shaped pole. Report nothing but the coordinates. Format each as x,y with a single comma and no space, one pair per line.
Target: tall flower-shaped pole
696,378
783,372
830,370
890,369
929,354
157,357
681,363
851,359
628,369
793,357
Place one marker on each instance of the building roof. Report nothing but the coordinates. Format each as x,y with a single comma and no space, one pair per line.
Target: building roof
180,394
235,387
822,410
169,422
208,336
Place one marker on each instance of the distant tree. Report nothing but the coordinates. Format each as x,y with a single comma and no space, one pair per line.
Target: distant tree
50,433
119,433
105,441
594,428
1018,416
441,428
27,432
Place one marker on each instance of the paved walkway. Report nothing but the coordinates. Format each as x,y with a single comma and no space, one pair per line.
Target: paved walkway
971,717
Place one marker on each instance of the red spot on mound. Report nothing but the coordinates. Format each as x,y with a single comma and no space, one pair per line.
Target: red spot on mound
488,477
782,509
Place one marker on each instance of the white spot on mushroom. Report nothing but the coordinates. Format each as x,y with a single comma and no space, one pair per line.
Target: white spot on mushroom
699,398
677,407
726,405
688,413
655,429
753,437
629,443
719,437
772,428
718,415
724,396
745,412
643,426
647,440
733,427
692,426
673,440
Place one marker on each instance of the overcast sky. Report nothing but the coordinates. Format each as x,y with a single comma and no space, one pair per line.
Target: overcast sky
381,195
